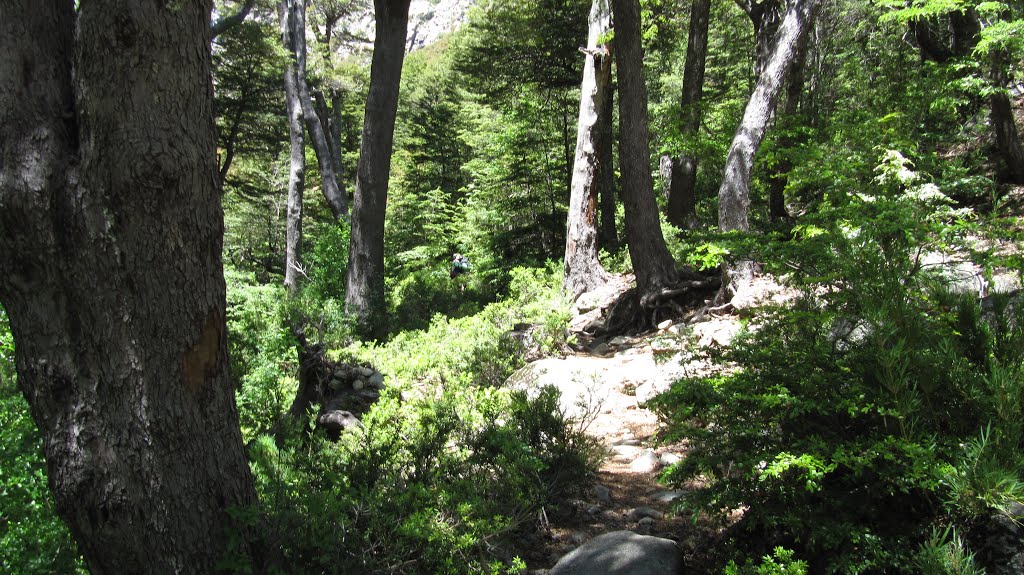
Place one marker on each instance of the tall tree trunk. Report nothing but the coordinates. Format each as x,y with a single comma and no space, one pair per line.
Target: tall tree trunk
1003,123
607,235
287,10
364,297
734,194
1007,138
764,17
682,198
652,263
583,271
779,176
333,189
110,244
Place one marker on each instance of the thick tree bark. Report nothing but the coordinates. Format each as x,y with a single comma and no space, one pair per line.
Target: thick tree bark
681,210
734,194
287,13
364,297
333,188
652,263
583,270
110,251
608,236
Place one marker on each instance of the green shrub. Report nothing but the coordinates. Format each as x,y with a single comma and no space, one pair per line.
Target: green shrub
870,411
475,350
780,562
264,362
437,482
417,297
945,554
437,486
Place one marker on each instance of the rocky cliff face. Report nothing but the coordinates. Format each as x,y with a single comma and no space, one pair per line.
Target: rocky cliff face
429,19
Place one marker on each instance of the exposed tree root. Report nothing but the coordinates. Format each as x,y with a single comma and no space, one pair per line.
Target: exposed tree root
635,312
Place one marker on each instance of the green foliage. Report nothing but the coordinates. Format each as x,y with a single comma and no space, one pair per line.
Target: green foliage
780,562
873,409
33,540
476,350
264,362
428,486
327,262
945,553
445,468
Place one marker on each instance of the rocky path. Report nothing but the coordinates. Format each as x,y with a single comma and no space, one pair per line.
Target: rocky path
605,384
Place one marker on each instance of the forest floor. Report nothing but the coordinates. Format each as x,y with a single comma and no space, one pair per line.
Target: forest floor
604,384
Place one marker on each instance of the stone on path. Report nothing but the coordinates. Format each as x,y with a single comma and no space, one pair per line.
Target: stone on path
646,462
643,512
622,553
669,458
668,496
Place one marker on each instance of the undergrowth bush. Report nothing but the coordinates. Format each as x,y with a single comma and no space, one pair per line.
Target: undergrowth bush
874,410
264,363
476,350
444,469
436,486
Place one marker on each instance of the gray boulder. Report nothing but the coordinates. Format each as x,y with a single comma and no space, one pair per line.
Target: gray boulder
622,553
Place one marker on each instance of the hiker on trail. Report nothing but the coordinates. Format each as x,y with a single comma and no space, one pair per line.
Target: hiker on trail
460,265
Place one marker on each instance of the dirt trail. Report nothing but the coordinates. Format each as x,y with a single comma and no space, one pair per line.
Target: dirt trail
609,390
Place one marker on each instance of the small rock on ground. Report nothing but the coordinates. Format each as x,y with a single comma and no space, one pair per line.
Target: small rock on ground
622,553
646,462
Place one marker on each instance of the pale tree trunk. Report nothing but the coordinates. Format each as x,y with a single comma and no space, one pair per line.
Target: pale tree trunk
228,22
652,263
607,235
681,210
333,189
110,250
734,193
297,160
583,270
364,297
331,116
